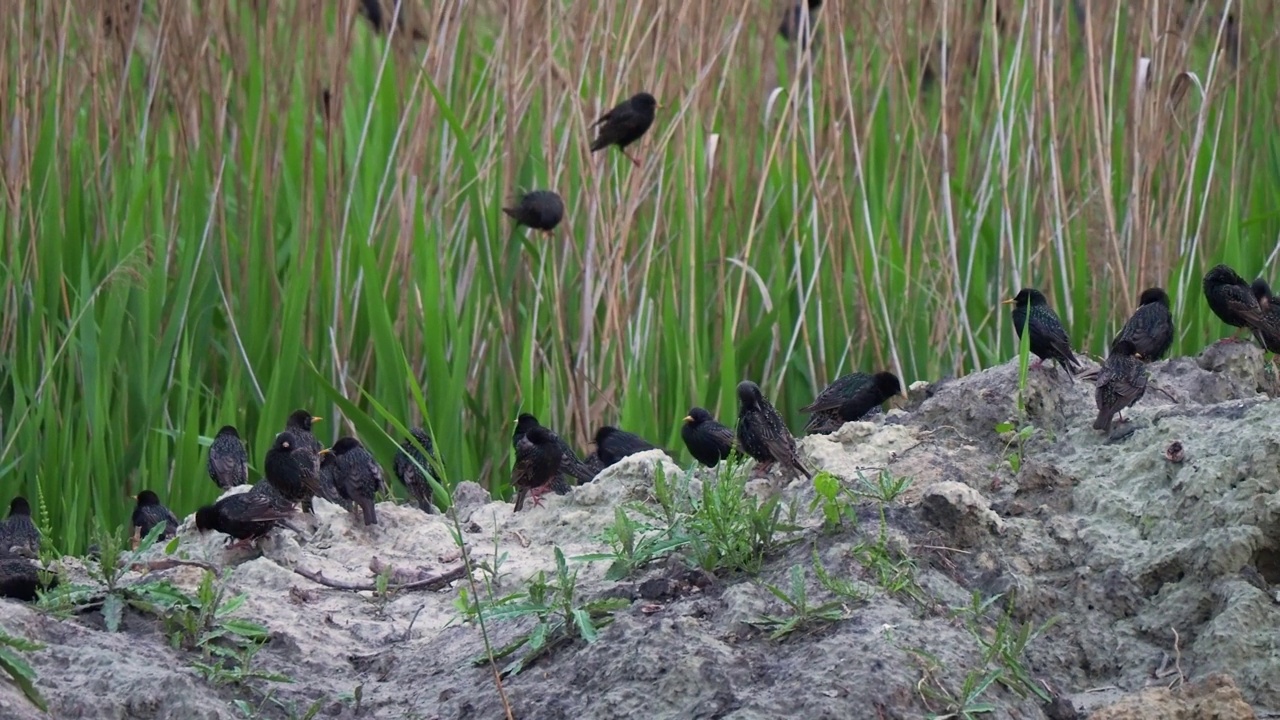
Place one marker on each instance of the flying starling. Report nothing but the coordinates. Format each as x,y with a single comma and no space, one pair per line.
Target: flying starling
246,516
359,476
539,209
228,459
792,26
708,441
1268,331
625,124
1231,298
570,465
1121,383
537,464
761,432
292,469
149,512
414,479
613,444
18,534
1150,328
1048,340
848,398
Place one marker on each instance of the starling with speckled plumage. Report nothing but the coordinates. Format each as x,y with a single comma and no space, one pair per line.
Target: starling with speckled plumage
613,444
537,464
1121,383
150,512
247,515
538,209
794,25
1150,328
228,459
708,441
1049,340
359,476
414,476
1231,298
327,481
1267,331
300,424
18,534
625,124
848,398
761,432
292,469
570,465
20,579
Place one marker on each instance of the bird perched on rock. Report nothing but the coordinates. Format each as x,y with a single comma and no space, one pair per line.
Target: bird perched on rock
1231,298
246,516
850,397
793,27
570,465
1121,383
1150,328
228,459
359,476
414,476
613,444
1267,331
708,441
292,468
539,209
761,432
537,465
20,578
299,424
150,512
18,534
327,481
625,124
1048,340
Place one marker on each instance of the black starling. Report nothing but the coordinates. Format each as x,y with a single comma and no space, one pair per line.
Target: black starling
537,464
708,441
299,423
292,469
1231,298
1048,340
247,515
359,476
1121,383
228,459
1268,330
592,462
413,478
1150,328
848,398
613,444
327,481
792,26
761,432
149,512
18,534
625,124
20,578
570,465
539,209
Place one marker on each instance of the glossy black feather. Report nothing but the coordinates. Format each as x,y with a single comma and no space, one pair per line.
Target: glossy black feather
1121,383
708,441
228,459
1049,340
149,512
292,468
626,123
761,432
1150,328
539,209
18,533
20,579
570,465
850,397
414,479
537,464
246,515
1267,331
1231,298
613,444
359,476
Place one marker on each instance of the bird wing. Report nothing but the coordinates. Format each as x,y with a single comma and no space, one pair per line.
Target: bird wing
229,468
834,395
1055,335
263,507
603,118
723,435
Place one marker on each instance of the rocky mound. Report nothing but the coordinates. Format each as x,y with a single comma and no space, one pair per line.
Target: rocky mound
970,557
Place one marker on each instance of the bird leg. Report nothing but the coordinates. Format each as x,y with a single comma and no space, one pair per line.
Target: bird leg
633,160
241,544
537,493
1037,364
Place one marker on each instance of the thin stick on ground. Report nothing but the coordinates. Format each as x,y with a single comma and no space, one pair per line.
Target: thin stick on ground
434,582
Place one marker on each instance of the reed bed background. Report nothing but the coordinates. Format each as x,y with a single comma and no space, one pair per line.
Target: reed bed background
217,212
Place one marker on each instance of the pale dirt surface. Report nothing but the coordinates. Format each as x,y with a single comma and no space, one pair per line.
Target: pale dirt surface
1116,543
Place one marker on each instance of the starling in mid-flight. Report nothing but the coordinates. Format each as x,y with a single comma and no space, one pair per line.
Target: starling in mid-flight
613,444
537,464
415,479
792,26
708,441
1121,383
1268,330
1048,340
761,432
625,124
18,534
1231,298
359,476
539,209
1150,328
247,515
228,459
570,465
848,398
149,512
292,469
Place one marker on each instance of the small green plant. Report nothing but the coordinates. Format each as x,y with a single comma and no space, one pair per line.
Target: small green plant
892,571
965,703
801,615
633,545
1005,643
204,621
21,672
559,616
886,487
1019,430
733,531
111,595
834,502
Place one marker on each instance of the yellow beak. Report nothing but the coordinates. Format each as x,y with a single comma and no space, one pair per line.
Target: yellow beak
316,419
688,419
1010,301
325,451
